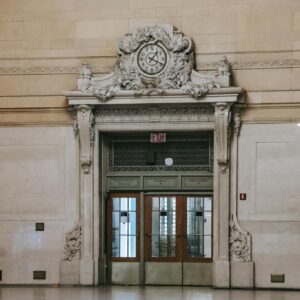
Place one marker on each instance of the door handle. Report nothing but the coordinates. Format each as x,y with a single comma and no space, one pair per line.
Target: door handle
148,235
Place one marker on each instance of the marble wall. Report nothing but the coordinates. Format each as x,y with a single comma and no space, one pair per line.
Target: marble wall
269,171
38,183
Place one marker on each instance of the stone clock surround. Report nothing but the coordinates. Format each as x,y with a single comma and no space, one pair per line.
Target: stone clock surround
178,99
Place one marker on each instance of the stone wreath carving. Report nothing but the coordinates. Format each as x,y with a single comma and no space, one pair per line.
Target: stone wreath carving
239,243
72,248
177,74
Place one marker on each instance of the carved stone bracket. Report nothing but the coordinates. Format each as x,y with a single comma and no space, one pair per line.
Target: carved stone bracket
85,125
72,249
239,242
222,122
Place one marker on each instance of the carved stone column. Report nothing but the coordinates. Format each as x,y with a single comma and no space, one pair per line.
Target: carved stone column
85,129
221,274
242,267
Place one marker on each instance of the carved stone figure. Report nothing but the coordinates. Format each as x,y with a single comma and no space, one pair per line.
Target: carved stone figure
72,248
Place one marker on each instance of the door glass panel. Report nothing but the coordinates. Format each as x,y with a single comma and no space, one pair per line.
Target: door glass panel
155,203
163,226
132,223
132,204
207,223
198,227
195,246
207,203
116,204
124,227
155,223
124,204
123,246
207,246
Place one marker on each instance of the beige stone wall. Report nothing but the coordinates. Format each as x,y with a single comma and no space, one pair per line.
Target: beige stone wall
42,43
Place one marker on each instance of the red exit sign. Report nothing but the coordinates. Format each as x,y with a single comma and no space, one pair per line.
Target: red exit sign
158,137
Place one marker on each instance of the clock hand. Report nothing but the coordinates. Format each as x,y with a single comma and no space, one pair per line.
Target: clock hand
152,57
157,61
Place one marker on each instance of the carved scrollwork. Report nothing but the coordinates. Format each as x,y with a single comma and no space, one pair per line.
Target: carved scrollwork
178,73
72,249
222,121
86,122
239,243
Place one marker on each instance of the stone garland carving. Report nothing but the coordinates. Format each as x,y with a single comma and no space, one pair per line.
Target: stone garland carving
239,243
178,73
237,123
222,122
72,249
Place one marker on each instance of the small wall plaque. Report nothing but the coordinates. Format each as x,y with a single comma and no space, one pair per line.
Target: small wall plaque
277,278
243,196
39,226
40,275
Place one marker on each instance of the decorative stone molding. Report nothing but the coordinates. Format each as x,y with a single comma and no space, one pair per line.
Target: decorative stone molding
177,73
222,122
85,124
155,114
237,122
106,69
36,70
72,249
239,242
254,64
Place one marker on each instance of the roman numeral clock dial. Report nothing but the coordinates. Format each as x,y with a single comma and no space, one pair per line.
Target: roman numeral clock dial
152,59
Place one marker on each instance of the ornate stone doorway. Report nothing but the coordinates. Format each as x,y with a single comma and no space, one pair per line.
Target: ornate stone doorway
155,88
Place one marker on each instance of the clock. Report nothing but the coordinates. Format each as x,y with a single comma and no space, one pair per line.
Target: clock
169,161
152,59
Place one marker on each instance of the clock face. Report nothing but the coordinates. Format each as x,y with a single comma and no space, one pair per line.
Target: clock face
152,59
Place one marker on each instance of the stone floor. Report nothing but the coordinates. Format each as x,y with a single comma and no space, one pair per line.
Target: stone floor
137,293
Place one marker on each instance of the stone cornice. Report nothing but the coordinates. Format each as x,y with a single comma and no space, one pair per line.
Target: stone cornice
255,64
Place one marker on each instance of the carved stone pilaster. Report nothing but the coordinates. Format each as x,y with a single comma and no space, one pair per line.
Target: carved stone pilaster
86,121
239,242
222,122
72,249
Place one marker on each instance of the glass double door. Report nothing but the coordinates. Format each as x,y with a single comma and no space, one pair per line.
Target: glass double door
177,229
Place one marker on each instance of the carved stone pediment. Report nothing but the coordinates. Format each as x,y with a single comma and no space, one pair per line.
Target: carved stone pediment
154,59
